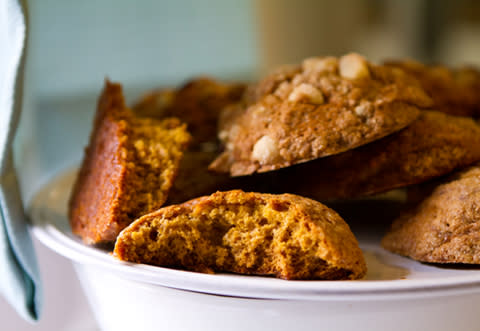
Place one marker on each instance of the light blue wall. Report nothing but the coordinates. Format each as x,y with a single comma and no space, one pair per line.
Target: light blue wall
75,44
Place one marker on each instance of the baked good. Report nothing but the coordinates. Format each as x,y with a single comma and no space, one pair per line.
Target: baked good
197,103
445,227
454,91
325,107
286,235
128,168
434,145
194,179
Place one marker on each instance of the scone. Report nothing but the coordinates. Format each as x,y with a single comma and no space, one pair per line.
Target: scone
128,168
434,145
287,236
197,103
325,107
194,179
445,227
454,91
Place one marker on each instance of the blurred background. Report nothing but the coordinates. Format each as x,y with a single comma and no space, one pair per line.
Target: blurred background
73,46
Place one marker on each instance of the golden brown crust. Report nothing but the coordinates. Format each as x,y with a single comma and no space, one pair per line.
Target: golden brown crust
434,145
288,236
197,103
127,171
445,227
106,146
454,91
315,111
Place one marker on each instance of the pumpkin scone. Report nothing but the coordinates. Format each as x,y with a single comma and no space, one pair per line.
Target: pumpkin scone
434,145
286,236
454,91
325,107
194,179
198,103
445,227
128,168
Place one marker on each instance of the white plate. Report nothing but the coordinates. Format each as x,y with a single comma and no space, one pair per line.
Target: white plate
388,274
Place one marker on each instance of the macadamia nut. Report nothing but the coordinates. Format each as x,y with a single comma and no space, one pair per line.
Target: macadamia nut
306,92
353,66
265,150
320,64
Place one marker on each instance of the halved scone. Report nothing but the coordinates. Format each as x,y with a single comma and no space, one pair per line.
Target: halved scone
287,236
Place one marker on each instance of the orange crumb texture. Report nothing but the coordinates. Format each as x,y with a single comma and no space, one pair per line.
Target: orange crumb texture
128,167
286,236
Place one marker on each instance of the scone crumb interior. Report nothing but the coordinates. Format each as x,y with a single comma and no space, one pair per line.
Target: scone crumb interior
251,236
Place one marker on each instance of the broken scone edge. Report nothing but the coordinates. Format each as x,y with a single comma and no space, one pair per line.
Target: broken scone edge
127,170
287,236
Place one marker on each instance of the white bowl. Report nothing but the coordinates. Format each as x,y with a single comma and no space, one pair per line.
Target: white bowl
397,293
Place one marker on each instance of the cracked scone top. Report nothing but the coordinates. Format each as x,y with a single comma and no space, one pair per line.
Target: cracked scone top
286,235
445,227
128,168
323,107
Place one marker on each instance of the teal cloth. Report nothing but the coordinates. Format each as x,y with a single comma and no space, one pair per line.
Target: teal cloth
19,276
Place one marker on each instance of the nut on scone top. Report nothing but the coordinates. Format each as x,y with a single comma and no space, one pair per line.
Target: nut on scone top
325,106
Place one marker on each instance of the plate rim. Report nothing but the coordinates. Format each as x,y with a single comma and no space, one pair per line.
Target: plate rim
245,286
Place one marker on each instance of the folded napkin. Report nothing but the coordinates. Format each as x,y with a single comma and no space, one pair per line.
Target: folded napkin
19,276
